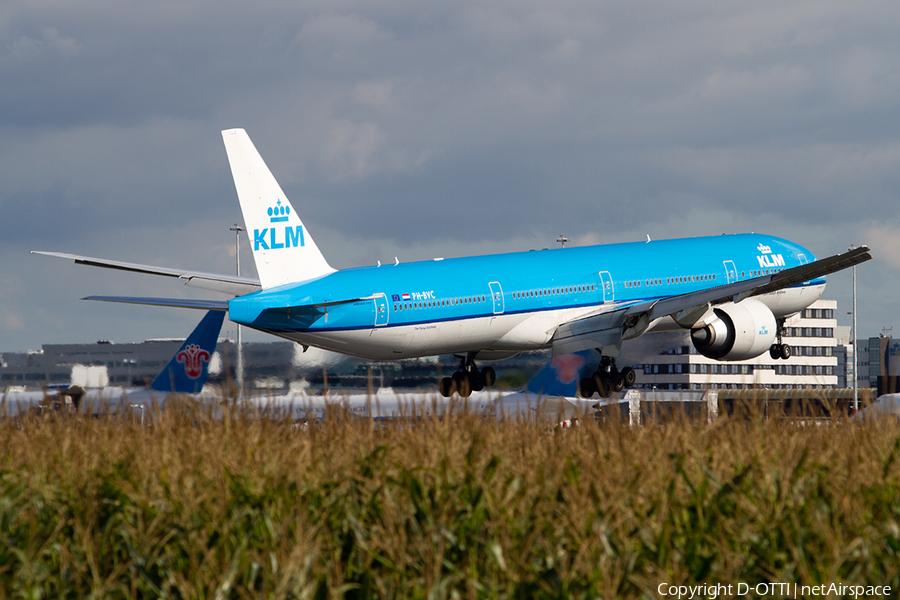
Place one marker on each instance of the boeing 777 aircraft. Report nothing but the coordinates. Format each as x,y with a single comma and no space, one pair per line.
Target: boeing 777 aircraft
734,293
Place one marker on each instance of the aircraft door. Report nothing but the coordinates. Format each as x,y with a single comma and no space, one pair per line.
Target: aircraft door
802,258
606,284
381,310
497,296
730,271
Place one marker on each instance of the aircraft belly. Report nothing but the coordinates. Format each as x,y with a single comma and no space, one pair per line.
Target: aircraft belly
428,339
535,331
791,300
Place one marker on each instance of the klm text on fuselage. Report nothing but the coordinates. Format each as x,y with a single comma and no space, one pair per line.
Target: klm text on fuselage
770,260
293,237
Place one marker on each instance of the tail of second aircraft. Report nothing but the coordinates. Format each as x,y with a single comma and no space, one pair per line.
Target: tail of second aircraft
560,376
283,250
187,371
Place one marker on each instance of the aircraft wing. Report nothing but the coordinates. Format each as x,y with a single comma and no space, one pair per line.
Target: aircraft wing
625,322
226,284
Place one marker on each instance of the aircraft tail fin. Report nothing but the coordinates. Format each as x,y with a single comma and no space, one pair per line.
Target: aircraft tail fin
187,371
560,376
283,250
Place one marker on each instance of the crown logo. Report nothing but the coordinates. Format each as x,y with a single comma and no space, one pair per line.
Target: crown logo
278,213
764,249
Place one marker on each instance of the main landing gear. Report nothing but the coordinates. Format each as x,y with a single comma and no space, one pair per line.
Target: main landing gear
467,378
607,379
779,349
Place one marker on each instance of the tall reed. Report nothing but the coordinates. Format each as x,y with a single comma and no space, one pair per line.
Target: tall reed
233,506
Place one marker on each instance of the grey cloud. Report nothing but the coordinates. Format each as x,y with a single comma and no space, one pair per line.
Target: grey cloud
398,128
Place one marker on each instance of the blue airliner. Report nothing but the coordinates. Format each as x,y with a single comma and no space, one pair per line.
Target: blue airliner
734,292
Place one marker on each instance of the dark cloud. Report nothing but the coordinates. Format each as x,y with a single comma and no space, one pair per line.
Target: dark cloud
399,129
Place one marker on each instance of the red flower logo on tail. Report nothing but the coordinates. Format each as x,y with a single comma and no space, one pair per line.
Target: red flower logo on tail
192,357
567,367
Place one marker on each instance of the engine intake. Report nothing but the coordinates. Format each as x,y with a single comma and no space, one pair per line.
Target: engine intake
739,331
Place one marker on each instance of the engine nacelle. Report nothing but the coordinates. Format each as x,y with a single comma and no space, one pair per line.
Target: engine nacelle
739,331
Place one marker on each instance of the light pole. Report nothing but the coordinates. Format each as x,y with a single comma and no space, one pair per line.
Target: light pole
239,371
853,337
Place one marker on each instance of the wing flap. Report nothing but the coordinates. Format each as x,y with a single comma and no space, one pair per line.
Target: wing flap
597,331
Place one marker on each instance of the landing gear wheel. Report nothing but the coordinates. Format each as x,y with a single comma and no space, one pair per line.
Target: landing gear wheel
490,376
785,351
476,381
604,385
462,384
618,382
630,376
447,387
775,351
587,388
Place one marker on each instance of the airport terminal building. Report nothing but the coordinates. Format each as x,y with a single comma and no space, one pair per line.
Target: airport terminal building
813,364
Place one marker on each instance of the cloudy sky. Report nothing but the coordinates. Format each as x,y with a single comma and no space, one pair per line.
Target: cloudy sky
417,130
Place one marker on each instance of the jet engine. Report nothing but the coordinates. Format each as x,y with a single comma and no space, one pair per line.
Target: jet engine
738,331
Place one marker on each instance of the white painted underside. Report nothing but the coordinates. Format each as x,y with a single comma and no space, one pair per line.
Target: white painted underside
497,333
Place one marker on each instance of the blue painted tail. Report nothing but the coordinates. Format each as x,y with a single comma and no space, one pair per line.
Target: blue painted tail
560,376
187,371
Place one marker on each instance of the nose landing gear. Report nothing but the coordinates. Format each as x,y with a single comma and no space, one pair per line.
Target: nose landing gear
779,349
467,378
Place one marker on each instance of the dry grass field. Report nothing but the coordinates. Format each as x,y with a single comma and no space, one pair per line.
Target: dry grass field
195,507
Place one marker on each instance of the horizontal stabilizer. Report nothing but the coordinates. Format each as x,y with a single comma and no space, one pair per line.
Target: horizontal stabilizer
226,284
214,305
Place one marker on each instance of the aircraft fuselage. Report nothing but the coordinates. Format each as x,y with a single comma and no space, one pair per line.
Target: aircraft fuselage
508,303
